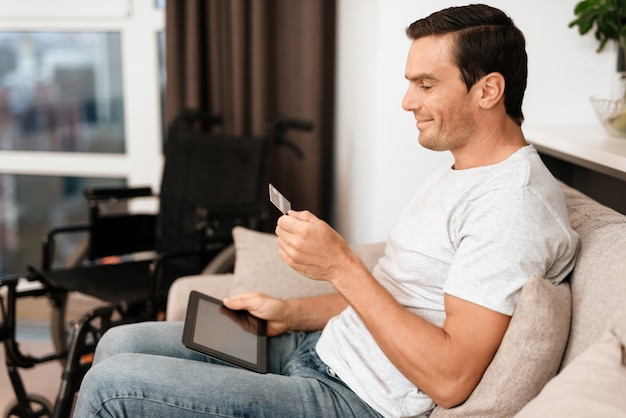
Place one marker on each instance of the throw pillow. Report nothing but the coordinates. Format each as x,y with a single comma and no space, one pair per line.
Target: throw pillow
528,357
593,384
259,268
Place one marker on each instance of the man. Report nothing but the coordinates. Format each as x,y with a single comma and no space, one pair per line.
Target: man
424,326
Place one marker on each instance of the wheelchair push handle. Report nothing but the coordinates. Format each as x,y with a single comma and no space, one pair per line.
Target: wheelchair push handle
284,124
276,132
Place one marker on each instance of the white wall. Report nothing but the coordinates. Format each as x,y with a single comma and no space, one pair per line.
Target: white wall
379,163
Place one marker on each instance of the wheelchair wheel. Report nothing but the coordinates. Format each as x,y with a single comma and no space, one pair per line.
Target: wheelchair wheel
40,407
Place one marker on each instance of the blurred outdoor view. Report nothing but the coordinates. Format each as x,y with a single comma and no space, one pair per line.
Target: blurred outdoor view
59,92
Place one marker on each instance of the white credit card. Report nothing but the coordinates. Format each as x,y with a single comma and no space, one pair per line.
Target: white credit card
279,200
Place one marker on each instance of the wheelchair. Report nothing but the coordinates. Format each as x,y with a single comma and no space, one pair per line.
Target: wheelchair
211,183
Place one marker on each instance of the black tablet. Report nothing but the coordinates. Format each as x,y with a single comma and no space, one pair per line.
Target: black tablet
236,337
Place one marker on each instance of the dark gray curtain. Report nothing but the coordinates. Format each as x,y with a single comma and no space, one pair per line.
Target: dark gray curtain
252,61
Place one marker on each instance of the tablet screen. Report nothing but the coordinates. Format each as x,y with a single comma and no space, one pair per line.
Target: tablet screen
236,337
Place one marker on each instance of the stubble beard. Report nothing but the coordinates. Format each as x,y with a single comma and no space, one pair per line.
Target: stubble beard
443,139
438,142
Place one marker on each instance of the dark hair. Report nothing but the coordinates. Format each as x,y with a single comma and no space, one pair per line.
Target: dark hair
485,40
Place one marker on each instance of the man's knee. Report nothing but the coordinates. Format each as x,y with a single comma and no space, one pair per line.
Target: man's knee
142,337
116,340
103,382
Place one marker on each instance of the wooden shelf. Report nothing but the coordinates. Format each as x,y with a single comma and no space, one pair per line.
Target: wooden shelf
589,147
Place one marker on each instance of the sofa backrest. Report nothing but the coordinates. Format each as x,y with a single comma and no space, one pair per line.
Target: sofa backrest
598,281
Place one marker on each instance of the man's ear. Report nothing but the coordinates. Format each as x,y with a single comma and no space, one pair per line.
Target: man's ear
492,89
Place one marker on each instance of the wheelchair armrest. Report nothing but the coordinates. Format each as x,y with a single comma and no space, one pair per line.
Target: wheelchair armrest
67,229
49,241
109,193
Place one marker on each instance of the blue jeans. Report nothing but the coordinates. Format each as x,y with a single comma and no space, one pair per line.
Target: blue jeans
143,370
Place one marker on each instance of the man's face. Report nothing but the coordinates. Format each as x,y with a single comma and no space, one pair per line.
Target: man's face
437,95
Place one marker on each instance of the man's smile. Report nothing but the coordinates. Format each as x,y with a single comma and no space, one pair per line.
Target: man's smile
422,122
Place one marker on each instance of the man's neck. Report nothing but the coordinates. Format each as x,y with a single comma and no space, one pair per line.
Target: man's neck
490,147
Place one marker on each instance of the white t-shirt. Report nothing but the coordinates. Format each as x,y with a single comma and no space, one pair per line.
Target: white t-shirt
477,234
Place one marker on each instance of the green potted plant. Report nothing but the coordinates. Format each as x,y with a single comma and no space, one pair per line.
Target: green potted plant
607,18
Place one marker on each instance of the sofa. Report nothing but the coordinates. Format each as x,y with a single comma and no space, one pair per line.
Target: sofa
563,354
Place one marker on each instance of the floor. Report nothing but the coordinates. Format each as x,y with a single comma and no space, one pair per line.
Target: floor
33,336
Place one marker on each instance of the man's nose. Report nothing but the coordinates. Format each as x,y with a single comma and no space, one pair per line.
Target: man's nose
410,101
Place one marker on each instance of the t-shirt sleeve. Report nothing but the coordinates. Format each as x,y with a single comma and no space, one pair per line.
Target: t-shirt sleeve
503,238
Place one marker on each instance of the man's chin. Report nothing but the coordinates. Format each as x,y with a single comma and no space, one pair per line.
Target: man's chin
427,141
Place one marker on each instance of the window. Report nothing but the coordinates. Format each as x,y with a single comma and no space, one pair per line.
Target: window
81,86
61,91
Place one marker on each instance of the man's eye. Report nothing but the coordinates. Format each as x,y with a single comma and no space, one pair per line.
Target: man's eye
425,87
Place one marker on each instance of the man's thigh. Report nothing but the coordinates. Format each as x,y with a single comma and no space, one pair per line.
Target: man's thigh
165,339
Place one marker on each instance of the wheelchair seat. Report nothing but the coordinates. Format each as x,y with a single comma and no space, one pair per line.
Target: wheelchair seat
126,283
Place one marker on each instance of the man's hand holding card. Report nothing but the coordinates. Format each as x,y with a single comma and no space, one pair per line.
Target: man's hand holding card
309,245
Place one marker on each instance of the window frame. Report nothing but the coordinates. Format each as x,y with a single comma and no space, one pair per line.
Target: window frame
138,22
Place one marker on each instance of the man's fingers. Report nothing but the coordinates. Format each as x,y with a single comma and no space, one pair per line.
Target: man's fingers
245,301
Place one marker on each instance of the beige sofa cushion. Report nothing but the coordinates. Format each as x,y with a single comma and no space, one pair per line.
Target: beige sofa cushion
598,282
259,268
592,385
528,357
